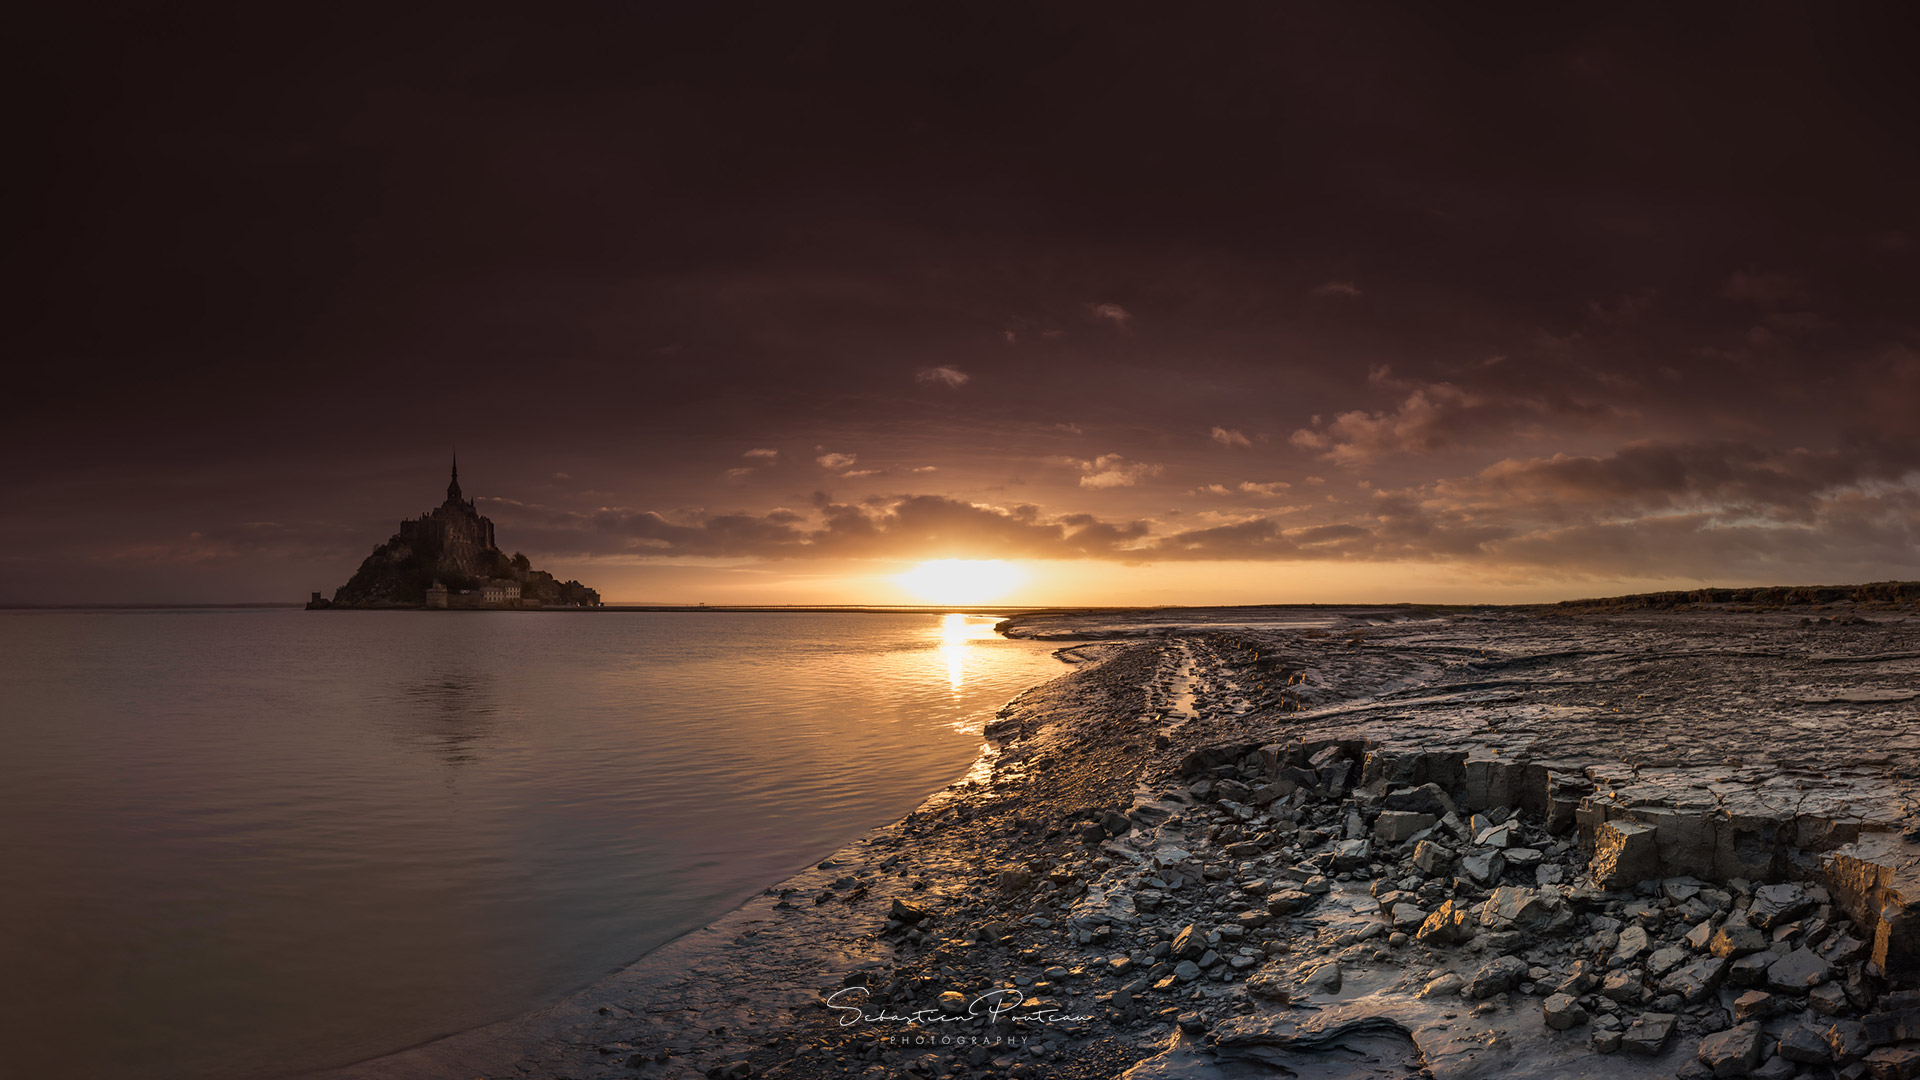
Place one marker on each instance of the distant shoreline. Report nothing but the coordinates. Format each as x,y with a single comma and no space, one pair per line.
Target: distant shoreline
1879,593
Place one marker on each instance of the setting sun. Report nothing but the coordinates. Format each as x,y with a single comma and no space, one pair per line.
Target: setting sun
961,581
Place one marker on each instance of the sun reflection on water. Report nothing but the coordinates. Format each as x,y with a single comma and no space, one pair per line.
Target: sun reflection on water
955,631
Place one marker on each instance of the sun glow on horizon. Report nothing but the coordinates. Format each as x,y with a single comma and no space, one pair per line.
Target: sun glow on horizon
961,581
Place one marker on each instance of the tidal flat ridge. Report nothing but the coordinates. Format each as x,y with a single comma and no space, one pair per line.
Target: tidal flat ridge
1344,842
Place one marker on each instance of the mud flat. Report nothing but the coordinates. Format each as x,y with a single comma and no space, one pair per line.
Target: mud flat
1345,843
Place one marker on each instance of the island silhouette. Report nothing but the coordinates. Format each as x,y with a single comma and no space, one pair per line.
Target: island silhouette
447,558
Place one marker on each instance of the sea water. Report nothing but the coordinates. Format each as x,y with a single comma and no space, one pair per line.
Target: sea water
249,843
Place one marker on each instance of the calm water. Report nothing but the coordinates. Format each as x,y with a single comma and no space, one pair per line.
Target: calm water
249,843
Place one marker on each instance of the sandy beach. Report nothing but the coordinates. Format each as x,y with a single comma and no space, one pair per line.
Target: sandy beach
1606,841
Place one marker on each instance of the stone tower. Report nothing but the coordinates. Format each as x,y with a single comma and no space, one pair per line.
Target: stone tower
453,486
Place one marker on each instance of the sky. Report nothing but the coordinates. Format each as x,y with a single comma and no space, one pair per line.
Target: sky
1146,303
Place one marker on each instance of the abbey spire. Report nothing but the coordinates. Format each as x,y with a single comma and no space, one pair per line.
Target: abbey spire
453,486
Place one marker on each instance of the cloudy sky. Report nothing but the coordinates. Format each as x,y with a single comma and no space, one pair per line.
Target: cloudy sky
729,303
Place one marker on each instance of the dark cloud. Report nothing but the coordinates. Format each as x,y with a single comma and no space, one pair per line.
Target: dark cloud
1730,478
1569,294
896,527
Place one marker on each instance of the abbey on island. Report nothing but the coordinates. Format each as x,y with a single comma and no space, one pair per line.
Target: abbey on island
447,558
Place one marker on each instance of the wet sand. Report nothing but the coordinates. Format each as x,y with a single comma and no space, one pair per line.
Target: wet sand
1342,843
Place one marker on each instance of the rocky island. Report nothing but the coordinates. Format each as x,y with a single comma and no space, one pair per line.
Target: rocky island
447,558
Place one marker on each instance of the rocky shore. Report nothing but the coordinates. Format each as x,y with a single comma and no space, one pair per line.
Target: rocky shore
1234,844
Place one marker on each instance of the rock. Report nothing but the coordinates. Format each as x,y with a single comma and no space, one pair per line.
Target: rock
1324,979
952,1001
1734,1052
1352,854
1397,826
1512,906
1828,999
1579,981
1484,867
1798,972
1900,1062
1549,874
1885,1028
1013,881
1700,936
1287,901
1733,941
1848,1041
1494,836
1604,1041
1753,1005
1189,943
1695,982
1625,853
1186,971
1622,986
1331,767
1563,1011
1431,858
1448,925
1407,917
1633,943
1504,973
1774,905
905,912
1876,880
1665,960
1804,1044
1776,1068
1427,799
1444,986
1648,1034
1268,794
1523,858
1842,949
1750,970
1268,986
1117,823
1680,889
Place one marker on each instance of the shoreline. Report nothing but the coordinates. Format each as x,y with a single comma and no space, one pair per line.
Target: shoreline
1226,846
489,1048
